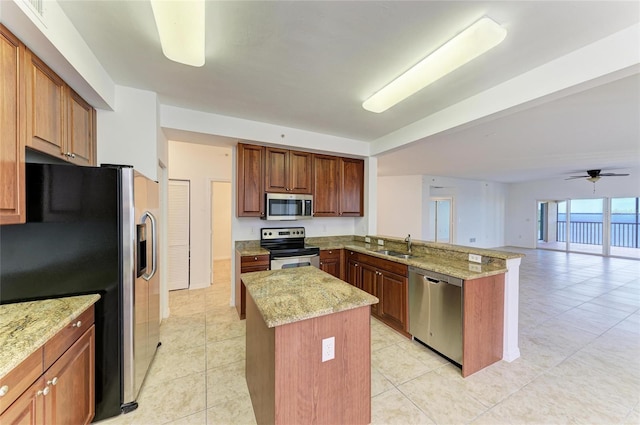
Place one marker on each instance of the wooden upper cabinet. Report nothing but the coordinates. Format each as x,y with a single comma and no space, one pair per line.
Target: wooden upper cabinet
288,171
58,121
81,124
351,187
12,190
326,178
338,186
250,181
45,94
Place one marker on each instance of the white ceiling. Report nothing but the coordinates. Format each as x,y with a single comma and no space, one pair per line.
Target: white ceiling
310,64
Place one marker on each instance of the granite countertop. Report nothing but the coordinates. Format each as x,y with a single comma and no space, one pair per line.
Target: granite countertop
25,327
449,266
291,295
447,259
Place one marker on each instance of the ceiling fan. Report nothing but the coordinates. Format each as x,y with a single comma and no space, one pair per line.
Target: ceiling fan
595,175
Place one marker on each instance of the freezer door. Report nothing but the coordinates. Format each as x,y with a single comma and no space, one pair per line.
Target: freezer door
142,301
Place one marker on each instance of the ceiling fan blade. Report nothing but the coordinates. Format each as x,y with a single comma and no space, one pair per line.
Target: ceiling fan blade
576,177
612,175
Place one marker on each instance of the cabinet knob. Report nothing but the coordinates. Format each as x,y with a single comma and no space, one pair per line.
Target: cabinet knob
53,381
330,252
44,391
73,155
255,258
4,390
77,324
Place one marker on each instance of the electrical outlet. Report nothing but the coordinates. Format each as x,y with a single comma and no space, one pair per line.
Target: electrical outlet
381,242
475,268
367,239
472,240
328,348
475,258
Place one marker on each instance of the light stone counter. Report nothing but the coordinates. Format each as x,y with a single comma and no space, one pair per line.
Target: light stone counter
25,327
291,295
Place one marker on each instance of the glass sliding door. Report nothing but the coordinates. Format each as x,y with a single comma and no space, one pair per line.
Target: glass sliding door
625,227
585,223
547,228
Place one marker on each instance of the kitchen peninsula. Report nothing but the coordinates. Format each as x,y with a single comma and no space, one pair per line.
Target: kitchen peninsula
308,347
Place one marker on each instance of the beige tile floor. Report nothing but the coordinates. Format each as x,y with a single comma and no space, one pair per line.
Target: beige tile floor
579,340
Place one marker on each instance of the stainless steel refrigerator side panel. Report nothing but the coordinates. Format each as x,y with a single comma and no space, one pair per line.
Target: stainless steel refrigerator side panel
128,284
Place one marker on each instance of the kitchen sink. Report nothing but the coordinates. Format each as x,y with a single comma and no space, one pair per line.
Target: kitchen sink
394,254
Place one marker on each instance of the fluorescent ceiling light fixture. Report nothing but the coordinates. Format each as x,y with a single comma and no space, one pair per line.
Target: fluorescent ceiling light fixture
181,27
469,44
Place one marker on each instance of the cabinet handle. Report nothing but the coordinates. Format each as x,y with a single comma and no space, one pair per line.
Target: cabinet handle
44,391
4,390
77,324
53,381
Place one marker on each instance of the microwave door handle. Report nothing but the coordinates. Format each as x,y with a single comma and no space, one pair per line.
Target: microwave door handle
154,244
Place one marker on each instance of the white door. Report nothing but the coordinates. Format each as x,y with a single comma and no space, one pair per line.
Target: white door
178,234
441,220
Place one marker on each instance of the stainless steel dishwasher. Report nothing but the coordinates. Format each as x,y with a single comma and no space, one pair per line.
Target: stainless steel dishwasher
435,311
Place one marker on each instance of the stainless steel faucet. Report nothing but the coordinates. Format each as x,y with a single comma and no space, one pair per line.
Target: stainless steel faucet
408,241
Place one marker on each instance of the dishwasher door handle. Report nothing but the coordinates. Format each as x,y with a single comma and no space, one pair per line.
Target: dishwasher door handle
432,280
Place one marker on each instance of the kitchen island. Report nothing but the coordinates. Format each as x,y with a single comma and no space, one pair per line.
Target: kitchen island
308,347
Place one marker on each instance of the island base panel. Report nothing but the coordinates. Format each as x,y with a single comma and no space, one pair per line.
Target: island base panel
287,379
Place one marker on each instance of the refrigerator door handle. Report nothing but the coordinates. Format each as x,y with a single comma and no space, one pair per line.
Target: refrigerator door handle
154,244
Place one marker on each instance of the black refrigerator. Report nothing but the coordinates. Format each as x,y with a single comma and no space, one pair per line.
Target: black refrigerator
93,230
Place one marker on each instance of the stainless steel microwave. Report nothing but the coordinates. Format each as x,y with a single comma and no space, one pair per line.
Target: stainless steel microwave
288,206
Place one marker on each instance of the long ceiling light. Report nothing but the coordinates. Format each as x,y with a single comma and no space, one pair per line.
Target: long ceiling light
181,27
469,44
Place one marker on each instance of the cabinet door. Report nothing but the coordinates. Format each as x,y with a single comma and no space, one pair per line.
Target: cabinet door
28,409
351,187
370,284
354,273
276,170
330,262
45,107
393,300
250,181
81,142
300,175
12,190
71,399
326,175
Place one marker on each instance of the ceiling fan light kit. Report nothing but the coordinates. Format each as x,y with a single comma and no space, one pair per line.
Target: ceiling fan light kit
477,39
181,26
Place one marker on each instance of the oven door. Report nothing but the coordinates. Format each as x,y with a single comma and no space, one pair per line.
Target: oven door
290,262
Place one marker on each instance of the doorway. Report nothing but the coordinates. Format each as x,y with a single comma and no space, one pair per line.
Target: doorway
441,220
220,229
178,234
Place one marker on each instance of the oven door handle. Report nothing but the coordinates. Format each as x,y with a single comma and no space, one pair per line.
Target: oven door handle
275,257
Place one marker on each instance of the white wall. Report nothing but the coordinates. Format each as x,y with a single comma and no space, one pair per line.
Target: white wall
400,206
221,220
128,135
478,208
200,164
521,218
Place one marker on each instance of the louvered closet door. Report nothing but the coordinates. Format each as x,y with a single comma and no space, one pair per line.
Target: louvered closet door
179,224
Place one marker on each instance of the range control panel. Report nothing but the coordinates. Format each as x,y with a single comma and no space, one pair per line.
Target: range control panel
281,233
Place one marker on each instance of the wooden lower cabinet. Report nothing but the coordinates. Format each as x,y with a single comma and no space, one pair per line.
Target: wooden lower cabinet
331,262
63,391
386,280
247,264
71,379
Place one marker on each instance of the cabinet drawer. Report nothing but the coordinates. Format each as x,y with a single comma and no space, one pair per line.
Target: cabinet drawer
57,345
254,260
330,254
19,379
